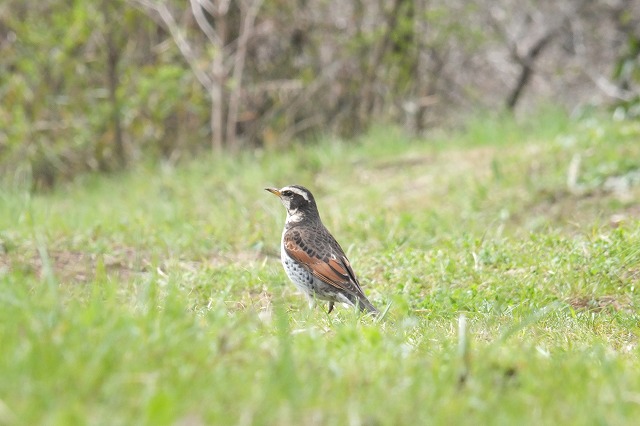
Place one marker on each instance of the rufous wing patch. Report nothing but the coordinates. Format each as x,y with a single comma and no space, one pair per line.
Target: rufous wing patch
336,271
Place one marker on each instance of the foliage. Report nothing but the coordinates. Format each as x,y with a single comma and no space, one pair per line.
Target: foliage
627,74
56,109
100,85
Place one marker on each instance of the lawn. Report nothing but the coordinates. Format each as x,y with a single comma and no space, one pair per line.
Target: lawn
507,255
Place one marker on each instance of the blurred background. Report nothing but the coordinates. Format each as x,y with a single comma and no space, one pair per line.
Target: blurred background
99,85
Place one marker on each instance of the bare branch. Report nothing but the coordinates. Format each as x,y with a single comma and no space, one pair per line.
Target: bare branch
168,21
305,124
238,69
378,51
527,59
208,6
526,62
203,23
607,87
284,85
320,82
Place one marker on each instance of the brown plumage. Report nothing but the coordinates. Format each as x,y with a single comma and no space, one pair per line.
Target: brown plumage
312,258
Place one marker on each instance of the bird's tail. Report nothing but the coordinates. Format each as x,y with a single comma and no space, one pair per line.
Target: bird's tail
365,306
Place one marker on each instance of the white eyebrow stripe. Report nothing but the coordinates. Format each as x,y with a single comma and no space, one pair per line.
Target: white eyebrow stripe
303,194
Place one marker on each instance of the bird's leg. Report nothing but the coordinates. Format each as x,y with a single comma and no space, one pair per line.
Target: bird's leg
330,307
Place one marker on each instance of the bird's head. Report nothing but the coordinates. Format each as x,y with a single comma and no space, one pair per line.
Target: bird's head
298,201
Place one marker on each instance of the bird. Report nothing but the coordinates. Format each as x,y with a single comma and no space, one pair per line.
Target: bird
311,256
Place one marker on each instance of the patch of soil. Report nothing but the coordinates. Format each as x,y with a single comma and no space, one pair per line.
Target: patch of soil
598,304
74,266
122,263
243,257
564,206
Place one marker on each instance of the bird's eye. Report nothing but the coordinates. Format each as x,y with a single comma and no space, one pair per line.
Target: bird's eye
287,193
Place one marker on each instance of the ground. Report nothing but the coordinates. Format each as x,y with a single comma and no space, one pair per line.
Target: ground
156,296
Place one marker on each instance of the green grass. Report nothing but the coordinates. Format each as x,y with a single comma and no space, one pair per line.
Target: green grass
157,297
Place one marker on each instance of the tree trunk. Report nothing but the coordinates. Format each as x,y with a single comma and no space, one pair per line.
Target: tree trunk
113,82
238,71
367,97
219,82
217,107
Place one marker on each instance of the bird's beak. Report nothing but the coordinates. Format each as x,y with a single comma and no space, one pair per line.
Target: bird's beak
274,191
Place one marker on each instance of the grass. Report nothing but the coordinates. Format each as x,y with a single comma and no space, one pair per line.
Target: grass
157,297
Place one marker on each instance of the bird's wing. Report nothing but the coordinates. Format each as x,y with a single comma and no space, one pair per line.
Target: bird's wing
332,268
